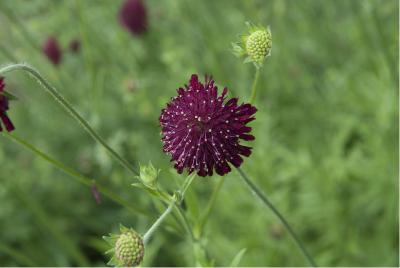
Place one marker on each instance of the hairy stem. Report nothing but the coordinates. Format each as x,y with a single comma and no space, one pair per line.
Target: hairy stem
263,198
175,200
254,86
157,223
68,107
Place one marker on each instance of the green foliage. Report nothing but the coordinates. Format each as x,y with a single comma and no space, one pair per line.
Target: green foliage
326,148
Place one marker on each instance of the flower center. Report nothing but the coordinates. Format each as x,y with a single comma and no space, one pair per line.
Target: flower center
201,124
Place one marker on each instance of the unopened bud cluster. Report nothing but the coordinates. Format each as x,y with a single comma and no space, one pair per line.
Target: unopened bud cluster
126,247
255,46
258,45
129,249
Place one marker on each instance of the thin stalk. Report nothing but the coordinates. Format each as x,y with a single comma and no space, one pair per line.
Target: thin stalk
75,175
174,202
157,223
260,195
185,222
254,86
68,107
210,204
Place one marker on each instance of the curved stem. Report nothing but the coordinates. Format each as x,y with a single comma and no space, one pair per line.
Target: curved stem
78,177
157,223
257,191
68,107
254,86
173,203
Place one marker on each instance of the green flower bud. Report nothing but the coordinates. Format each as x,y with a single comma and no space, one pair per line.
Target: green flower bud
149,175
258,45
255,46
129,249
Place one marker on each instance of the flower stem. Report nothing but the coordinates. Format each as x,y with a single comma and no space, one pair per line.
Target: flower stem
175,200
258,193
254,86
78,177
157,223
210,204
68,107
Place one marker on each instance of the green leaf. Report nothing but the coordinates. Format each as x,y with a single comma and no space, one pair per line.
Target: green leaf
111,239
236,260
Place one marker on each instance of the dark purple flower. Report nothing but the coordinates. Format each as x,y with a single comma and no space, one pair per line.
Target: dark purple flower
202,132
3,108
52,50
133,16
75,45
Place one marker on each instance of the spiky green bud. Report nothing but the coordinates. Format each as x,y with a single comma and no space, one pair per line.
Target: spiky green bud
258,45
255,46
127,248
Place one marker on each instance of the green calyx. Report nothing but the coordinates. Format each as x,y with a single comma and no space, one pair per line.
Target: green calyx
127,248
149,175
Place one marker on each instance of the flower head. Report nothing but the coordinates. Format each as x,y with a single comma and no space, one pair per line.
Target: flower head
4,107
127,248
52,50
202,132
256,45
133,16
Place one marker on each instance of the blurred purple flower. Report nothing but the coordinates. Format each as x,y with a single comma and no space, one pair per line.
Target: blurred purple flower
202,132
52,50
3,108
133,16
75,45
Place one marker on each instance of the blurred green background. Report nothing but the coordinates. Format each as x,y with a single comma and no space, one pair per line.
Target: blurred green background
326,148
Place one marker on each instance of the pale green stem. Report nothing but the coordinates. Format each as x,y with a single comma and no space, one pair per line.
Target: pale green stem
157,223
185,222
78,177
68,107
263,198
210,204
254,87
175,200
